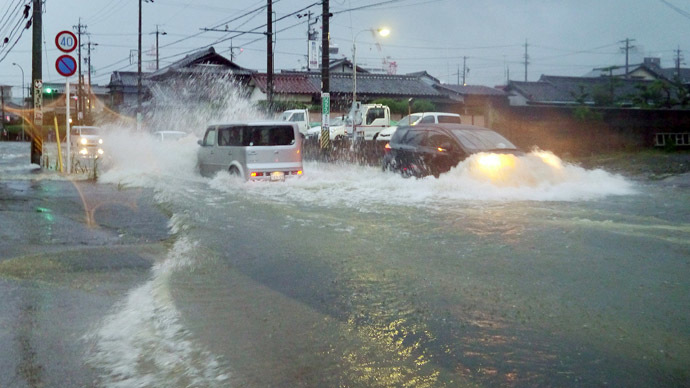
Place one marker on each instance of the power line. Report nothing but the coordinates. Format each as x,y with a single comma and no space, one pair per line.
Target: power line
673,7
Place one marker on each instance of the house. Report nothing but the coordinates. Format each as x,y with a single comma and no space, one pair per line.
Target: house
124,84
299,86
564,90
650,70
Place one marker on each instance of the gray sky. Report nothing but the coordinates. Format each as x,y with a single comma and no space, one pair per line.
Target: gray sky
564,37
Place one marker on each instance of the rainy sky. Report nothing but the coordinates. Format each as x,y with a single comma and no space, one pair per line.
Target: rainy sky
565,37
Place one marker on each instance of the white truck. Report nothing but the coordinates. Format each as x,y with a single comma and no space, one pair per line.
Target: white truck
299,117
367,120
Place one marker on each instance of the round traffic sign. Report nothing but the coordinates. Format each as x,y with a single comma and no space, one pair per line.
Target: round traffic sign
66,41
66,65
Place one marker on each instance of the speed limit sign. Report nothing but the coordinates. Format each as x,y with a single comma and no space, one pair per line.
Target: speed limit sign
66,41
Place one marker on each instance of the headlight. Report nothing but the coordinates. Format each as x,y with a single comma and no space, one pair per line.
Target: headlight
100,141
83,141
100,151
83,151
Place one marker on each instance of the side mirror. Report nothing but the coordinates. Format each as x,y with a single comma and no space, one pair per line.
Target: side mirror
200,142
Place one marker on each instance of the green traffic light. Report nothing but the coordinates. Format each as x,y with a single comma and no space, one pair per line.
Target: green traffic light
48,90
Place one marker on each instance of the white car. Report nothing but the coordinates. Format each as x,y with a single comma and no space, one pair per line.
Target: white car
164,136
419,118
336,130
86,141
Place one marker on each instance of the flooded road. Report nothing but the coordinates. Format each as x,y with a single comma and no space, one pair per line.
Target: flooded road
353,277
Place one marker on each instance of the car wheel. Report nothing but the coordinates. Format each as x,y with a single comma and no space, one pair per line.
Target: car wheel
234,172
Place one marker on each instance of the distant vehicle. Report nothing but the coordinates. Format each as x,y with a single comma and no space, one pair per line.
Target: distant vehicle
432,149
86,141
261,150
163,136
368,120
420,118
299,117
336,129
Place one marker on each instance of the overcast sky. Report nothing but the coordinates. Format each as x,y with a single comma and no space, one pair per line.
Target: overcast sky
564,37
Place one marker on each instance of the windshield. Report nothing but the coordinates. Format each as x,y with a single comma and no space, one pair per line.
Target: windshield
285,116
410,120
336,121
88,130
481,140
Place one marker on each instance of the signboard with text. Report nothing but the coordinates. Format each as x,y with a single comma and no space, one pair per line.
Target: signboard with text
66,41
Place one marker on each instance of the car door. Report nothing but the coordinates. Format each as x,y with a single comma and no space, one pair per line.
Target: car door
207,152
441,153
409,152
271,145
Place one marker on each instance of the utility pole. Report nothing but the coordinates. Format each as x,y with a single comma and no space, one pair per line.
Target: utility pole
139,74
88,68
679,58
464,70
80,91
627,48
2,104
325,35
269,55
526,60
165,33
36,78
325,142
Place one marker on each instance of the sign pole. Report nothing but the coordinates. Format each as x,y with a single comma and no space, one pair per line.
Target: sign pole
67,116
66,66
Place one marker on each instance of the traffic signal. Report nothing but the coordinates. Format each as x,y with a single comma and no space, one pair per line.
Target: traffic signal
48,91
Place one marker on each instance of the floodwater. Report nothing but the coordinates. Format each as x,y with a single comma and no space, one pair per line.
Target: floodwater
348,276
551,275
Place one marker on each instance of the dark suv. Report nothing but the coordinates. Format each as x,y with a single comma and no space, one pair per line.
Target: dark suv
432,149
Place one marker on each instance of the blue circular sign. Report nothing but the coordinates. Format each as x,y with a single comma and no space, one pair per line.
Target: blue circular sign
66,65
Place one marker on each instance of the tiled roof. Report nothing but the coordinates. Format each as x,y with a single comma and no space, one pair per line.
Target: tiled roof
287,83
559,89
205,58
477,90
385,85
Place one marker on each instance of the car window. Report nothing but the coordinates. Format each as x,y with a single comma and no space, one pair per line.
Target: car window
210,138
414,137
439,140
230,136
297,117
375,113
268,135
427,120
482,140
449,119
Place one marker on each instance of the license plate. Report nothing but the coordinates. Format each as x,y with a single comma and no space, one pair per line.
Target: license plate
277,176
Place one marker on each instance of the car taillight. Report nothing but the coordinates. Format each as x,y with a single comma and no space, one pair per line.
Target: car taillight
387,146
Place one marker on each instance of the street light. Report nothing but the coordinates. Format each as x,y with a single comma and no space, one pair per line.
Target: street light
382,32
23,102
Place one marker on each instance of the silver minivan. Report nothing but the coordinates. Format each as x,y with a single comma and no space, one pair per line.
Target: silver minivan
261,150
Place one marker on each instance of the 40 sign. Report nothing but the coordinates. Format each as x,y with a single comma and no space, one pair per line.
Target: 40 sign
66,41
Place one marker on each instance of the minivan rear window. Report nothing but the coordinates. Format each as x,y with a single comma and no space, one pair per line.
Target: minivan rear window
262,135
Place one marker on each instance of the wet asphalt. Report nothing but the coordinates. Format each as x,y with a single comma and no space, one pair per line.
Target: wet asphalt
69,251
